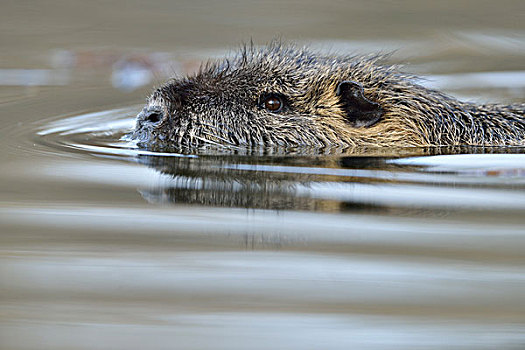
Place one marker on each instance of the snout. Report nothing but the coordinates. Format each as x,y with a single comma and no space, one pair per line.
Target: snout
147,120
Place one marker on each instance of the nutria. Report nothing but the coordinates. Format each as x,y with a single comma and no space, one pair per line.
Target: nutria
282,95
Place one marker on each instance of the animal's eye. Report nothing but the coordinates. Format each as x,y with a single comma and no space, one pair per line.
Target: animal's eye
272,103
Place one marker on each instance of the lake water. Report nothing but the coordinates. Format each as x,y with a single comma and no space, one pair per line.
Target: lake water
106,246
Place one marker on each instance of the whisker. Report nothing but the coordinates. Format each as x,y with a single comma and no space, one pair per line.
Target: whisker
207,141
218,137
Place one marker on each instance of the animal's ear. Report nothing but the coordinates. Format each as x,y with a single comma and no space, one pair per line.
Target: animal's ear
359,110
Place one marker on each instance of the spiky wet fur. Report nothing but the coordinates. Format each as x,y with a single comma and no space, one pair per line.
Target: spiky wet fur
220,105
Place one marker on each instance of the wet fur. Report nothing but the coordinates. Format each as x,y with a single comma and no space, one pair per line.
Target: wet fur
221,105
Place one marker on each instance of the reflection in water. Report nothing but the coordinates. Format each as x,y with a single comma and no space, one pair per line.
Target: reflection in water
212,181
335,183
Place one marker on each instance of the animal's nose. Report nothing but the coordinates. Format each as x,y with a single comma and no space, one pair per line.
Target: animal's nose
152,115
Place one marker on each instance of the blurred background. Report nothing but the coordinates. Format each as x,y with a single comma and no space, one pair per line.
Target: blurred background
139,43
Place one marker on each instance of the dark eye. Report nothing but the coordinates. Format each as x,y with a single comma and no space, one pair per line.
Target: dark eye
272,103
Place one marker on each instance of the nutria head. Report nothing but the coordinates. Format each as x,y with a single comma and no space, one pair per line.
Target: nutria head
282,96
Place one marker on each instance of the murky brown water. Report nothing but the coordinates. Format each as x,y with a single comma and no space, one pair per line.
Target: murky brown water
104,246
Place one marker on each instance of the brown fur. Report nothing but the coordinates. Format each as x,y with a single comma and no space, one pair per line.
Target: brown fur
221,105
